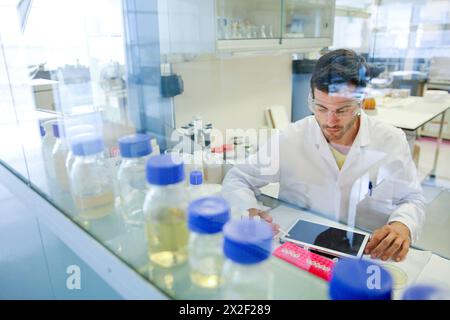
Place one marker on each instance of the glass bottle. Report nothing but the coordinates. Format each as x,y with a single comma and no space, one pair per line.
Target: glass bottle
247,247
206,218
165,211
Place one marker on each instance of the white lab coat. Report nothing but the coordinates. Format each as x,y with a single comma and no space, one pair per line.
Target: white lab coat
308,175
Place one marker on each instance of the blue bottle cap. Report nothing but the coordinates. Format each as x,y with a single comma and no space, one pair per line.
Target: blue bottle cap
134,146
247,241
354,279
56,127
196,178
425,292
42,130
208,215
165,169
87,145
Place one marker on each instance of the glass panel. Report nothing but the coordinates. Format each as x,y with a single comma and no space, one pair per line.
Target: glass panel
14,93
114,68
307,19
253,19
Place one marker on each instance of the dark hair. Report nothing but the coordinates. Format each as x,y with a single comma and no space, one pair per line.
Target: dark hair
339,67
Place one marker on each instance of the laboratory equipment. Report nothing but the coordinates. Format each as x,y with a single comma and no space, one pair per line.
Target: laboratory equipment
165,211
47,144
195,135
206,218
247,247
196,187
309,261
59,156
132,185
91,184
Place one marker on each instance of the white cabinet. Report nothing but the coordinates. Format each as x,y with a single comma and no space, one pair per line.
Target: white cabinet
273,24
218,26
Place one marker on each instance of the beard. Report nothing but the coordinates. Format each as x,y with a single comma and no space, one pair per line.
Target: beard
333,136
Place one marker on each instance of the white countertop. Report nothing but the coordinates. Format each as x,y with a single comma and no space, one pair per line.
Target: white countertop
408,113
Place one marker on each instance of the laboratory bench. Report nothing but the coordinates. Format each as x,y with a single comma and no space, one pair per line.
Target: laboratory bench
120,265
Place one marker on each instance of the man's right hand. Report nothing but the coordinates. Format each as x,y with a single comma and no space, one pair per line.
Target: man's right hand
266,217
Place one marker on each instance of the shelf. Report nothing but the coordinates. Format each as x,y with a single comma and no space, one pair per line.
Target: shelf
294,25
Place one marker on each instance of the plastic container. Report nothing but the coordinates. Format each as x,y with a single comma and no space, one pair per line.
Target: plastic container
247,247
48,143
213,166
426,292
206,218
91,184
59,156
72,134
132,184
354,279
165,211
196,187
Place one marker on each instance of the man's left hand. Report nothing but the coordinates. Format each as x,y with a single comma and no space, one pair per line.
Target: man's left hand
391,241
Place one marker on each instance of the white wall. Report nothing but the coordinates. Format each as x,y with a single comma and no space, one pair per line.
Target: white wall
233,93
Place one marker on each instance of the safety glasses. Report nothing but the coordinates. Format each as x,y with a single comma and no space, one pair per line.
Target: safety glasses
346,110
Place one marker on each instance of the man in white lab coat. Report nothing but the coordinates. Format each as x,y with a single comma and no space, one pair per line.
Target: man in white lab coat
332,162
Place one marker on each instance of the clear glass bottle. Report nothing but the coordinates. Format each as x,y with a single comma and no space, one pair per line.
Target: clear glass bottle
206,218
48,142
165,211
74,133
134,150
196,186
59,156
91,184
247,247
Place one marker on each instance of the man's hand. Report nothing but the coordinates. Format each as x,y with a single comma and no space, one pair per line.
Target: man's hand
265,216
391,241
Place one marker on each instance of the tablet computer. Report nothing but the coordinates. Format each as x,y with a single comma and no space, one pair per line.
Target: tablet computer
338,242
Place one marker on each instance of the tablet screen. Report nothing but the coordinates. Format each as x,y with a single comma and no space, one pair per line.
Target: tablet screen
340,240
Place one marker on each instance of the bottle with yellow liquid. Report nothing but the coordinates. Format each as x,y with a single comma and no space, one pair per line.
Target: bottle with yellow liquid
206,218
91,185
165,211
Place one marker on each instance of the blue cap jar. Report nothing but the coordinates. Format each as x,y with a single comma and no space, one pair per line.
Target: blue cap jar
426,292
354,279
87,145
196,178
247,241
208,215
165,169
135,146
